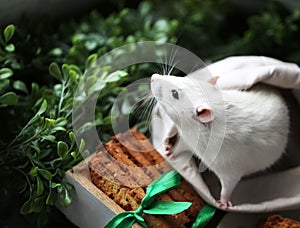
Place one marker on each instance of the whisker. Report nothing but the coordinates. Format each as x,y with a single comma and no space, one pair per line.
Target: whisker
143,110
170,62
142,106
155,68
163,66
171,69
173,59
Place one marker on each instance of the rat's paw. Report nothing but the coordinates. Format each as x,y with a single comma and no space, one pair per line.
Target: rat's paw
224,205
168,151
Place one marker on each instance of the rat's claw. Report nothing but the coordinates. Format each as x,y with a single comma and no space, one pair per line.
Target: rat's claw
168,153
224,205
167,147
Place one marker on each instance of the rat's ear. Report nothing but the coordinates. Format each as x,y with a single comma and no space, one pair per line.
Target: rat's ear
204,114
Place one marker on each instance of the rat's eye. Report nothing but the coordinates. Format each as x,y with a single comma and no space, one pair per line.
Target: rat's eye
175,94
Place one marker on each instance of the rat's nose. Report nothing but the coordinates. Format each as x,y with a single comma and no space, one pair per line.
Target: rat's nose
154,77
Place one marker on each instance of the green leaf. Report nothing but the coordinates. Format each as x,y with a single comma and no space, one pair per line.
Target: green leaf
56,52
19,85
74,68
38,204
73,76
9,98
50,138
40,186
35,89
51,198
116,76
145,8
4,84
49,123
85,127
161,25
54,185
90,45
43,108
8,32
72,136
10,47
64,195
56,129
91,59
74,154
91,81
5,73
65,70
126,107
61,121
46,174
36,148
34,171
56,162
38,51
62,149
82,145
55,71
77,38
27,207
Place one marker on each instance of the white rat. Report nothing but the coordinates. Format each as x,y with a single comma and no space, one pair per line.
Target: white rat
255,134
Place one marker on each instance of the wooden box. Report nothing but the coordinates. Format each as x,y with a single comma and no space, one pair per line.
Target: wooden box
90,207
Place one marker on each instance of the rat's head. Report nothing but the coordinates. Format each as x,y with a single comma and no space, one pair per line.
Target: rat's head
184,98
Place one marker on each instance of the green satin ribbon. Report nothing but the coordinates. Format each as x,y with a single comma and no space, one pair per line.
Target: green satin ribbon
204,216
149,205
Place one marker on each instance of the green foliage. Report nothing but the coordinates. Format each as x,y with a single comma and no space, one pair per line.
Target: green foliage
41,143
217,29
37,151
269,32
7,98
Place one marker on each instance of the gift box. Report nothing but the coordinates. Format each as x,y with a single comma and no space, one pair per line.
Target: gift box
94,207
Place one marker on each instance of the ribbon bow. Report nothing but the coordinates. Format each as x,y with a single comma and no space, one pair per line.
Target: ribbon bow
149,205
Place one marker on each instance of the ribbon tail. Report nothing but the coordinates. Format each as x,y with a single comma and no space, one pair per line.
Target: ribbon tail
139,218
127,223
204,216
167,208
122,220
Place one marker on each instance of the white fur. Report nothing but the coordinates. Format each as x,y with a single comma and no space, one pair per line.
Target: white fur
255,133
